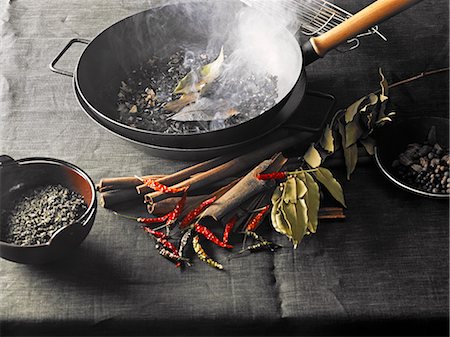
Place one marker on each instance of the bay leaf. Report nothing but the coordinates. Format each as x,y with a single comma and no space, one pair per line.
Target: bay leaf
350,156
325,177
312,199
184,100
276,196
327,140
301,224
279,223
211,71
302,189
195,82
290,191
373,100
351,159
353,132
353,109
369,144
312,157
188,84
384,87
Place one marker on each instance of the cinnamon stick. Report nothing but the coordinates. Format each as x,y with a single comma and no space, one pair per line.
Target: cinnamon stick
186,173
245,189
108,184
165,206
331,213
232,167
114,197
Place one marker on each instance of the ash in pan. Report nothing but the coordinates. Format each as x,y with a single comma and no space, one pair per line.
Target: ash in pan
146,99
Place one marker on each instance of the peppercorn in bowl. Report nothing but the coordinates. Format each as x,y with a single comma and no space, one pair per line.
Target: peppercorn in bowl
413,153
48,207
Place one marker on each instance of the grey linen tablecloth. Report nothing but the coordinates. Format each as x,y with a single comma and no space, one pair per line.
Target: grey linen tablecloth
382,271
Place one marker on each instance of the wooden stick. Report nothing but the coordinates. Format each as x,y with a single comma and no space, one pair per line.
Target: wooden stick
245,189
232,167
187,173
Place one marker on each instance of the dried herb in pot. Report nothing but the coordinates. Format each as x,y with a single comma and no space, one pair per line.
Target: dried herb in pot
38,214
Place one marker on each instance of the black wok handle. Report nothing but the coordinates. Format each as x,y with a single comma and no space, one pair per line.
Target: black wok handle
370,16
52,65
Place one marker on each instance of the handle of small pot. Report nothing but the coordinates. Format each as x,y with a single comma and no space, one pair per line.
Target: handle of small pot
52,65
368,17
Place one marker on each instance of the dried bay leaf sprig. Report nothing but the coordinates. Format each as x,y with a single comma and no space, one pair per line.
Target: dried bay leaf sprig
296,202
352,126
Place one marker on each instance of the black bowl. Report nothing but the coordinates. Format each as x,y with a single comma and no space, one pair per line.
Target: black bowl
18,177
393,139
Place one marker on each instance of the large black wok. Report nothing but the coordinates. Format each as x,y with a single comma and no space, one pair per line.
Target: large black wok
122,47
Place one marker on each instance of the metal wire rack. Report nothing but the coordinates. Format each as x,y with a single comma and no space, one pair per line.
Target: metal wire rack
315,16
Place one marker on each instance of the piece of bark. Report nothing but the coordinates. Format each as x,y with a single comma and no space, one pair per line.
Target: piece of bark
245,189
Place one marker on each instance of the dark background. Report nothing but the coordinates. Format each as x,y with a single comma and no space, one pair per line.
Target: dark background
382,271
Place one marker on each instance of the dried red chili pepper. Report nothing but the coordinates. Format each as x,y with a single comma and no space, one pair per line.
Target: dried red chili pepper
156,234
228,228
210,236
187,220
173,216
270,176
153,220
175,258
155,185
168,245
145,220
255,221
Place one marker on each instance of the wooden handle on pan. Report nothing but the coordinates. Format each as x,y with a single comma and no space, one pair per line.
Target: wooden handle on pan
368,17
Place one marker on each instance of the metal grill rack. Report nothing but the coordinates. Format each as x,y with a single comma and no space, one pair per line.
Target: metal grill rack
315,16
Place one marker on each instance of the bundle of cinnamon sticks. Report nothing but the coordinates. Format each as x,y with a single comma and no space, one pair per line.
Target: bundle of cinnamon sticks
230,178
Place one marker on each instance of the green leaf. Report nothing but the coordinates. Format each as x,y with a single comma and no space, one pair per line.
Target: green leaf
369,144
290,191
351,159
312,199
325,177
327,140
353,109
312,157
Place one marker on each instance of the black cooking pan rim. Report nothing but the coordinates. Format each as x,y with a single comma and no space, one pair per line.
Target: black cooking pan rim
212,133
